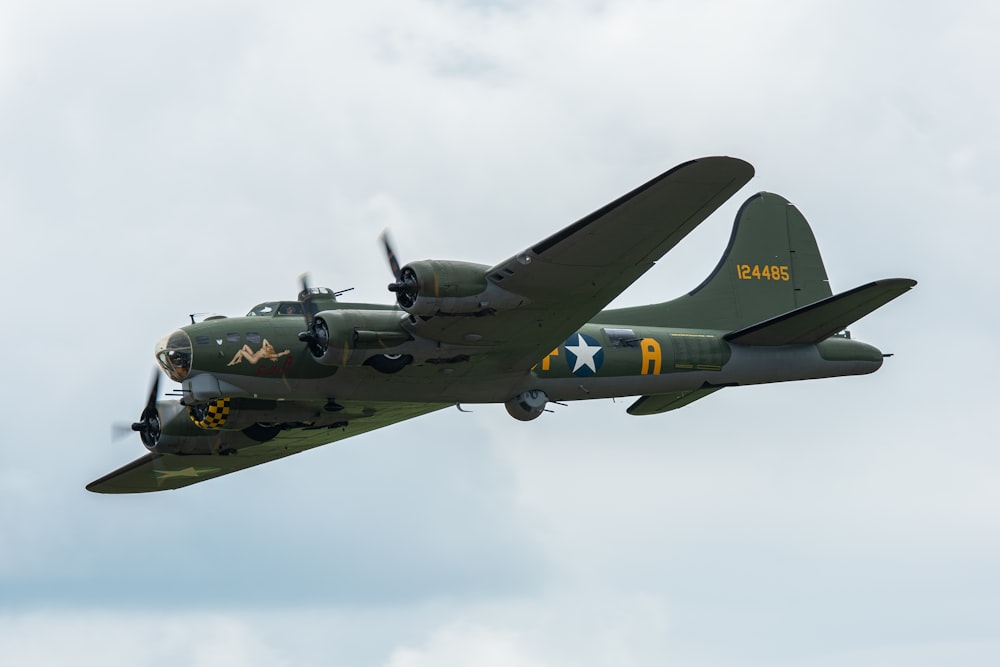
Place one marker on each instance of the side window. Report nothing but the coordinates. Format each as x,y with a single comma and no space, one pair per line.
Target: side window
290,308
621,337
253,338
233,337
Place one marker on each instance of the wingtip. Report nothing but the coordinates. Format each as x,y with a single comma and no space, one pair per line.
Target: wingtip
903,283
730,159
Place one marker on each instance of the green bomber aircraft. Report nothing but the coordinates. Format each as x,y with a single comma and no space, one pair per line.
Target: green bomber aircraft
530,330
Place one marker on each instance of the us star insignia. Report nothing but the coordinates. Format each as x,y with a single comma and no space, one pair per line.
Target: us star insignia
584,355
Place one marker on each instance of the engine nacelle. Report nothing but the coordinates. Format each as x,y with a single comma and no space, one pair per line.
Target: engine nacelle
236,414
209,427
352,335
435,287
527,405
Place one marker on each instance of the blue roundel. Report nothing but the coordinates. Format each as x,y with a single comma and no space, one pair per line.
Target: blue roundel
584,355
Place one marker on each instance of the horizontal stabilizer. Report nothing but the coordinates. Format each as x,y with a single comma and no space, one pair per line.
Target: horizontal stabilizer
657,403
820,320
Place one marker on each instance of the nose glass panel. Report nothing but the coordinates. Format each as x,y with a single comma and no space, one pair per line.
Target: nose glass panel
173,354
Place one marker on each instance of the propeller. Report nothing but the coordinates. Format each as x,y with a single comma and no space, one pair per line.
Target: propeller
120,430
405,286
316,335
390,253
306,297
148,426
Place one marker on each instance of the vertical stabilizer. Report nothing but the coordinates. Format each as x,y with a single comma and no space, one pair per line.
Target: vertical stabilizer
771,266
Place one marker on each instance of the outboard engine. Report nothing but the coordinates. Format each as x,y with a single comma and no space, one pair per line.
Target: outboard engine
436,287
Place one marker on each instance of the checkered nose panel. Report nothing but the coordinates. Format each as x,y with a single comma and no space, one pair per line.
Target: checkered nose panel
215,415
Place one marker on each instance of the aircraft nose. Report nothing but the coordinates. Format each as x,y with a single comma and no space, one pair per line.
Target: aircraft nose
174,354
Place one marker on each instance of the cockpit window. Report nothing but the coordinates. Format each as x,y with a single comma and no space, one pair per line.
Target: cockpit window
173,354
263,310
281,308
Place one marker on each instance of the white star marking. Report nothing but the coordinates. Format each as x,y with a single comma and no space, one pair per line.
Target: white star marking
584,354
190,471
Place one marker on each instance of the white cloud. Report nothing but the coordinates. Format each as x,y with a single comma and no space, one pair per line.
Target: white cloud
458,645
132,639
161,161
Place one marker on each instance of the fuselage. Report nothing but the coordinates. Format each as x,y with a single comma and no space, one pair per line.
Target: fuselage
261,357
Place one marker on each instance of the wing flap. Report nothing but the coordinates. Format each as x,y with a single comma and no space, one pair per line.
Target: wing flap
820,320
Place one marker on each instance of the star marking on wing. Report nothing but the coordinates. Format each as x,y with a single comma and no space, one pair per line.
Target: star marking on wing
586,355
190,471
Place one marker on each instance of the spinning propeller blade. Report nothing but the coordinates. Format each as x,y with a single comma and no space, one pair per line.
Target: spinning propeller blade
306,297
120,430
390,253
405,286
148,426
316,337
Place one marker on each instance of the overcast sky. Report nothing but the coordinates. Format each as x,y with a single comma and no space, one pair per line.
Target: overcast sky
159,159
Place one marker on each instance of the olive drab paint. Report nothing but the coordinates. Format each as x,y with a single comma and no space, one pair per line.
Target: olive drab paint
527,333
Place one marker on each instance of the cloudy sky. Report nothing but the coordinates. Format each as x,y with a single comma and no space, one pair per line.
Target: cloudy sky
159,159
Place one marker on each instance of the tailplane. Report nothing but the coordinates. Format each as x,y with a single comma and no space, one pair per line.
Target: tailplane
820,320
769,289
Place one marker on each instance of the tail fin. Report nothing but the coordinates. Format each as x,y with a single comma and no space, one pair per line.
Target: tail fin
772,266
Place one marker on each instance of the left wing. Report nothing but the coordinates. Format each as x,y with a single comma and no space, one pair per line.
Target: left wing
570,276
160,472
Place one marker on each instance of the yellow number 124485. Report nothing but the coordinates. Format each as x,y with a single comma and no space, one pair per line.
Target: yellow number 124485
762,272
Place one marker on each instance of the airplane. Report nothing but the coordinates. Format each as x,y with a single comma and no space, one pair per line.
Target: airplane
528,331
